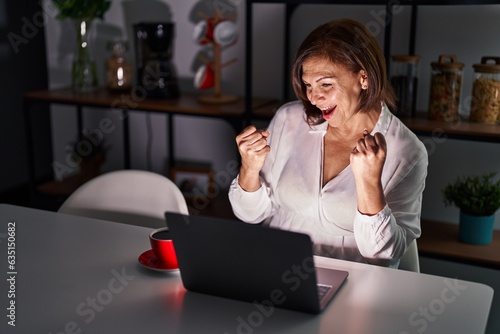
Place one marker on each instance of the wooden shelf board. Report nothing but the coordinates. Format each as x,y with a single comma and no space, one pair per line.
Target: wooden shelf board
62,188
187,103
420,124
441,239
461,128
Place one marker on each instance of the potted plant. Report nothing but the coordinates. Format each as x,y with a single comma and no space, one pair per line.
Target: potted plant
478,198
82,12
89,152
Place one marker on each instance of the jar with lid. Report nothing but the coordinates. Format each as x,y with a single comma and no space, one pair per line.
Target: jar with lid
485,104
446,88
118,69
404,80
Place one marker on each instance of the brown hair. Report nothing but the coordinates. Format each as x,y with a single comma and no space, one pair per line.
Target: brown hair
349,44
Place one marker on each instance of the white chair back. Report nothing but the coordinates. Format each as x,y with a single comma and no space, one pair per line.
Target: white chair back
409,261
127,196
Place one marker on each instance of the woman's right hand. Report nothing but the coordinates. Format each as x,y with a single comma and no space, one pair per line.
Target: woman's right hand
253,149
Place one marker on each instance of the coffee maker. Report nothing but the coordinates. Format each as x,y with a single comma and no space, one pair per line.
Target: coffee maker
156,73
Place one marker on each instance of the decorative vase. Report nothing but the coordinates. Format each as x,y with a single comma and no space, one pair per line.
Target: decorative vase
83,73
476,230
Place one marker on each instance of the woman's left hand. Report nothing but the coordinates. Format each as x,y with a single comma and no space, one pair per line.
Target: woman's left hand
368,157
367,162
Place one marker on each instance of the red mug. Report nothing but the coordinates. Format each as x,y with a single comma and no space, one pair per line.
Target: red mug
204,32
204,77
163,247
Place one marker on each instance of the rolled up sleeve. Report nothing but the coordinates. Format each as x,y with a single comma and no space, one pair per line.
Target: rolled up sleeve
387,234
250,207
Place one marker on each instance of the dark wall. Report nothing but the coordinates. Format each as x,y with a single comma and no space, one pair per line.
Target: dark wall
23,67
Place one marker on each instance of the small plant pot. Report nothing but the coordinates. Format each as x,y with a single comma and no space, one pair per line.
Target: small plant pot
91,168
476,230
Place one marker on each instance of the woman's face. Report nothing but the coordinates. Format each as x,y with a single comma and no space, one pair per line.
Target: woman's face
332,89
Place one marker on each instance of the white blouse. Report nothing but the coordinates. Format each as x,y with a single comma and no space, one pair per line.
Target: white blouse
291,195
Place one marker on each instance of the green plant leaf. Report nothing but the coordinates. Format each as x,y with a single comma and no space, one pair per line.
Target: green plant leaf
475,195
82,9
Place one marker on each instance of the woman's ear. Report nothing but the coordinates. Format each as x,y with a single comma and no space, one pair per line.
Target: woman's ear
363,80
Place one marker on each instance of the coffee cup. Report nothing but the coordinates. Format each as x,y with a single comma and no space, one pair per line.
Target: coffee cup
204,77
225,33
204,32
163,247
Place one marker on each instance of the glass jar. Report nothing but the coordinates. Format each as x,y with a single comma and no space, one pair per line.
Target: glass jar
485,104
404,80
118,69
446,88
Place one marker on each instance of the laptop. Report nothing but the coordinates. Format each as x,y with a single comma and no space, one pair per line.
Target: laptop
258,264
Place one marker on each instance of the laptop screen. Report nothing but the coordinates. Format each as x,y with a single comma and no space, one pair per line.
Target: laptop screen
247,262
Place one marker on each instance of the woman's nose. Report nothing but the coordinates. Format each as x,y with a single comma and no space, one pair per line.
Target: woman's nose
315,96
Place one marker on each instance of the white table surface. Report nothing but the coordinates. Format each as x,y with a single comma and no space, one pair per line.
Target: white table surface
79,275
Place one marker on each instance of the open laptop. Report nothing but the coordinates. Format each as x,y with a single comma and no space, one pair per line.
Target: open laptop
262,265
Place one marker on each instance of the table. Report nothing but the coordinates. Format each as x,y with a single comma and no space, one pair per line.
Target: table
187,104
79,275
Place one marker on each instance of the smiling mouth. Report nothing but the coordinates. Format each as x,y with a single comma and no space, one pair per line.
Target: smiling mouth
328,112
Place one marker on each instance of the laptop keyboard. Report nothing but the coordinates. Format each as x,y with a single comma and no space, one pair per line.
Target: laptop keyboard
323,290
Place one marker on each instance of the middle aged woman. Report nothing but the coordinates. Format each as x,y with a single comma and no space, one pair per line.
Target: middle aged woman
337,164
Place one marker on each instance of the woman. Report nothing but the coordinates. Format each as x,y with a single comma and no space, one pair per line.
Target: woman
337,164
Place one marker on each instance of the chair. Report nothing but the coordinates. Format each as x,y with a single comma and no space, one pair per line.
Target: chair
409,261
127,196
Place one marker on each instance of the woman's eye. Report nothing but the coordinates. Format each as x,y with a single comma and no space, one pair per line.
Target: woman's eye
326,84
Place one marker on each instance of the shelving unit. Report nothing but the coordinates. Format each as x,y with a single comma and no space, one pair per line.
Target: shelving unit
464,130
187,105
421,125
